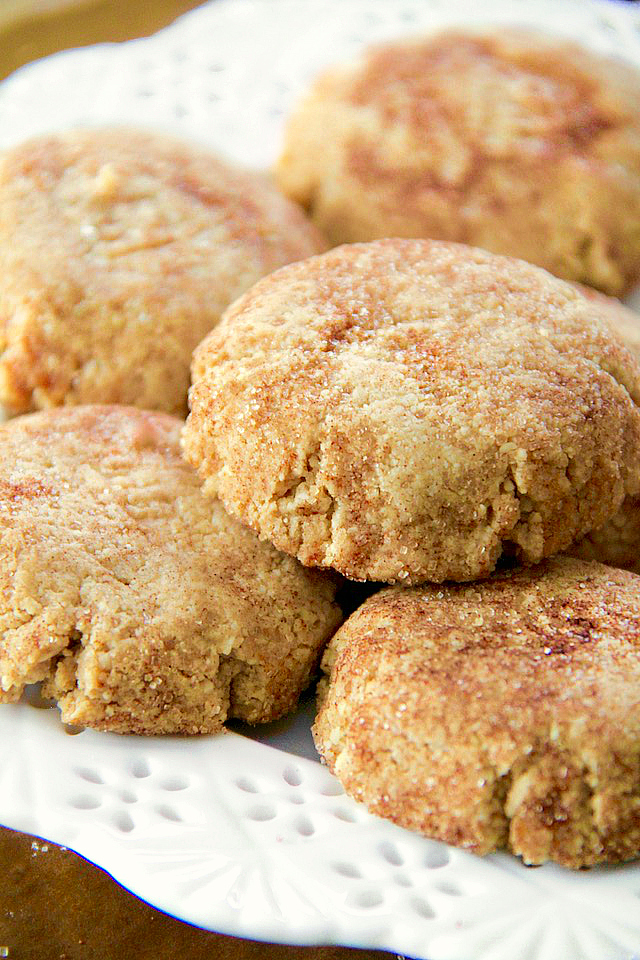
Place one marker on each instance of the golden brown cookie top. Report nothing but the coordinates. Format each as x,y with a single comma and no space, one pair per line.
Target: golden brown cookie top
506,711
119,250
411,409
555,643
515,93
624,320
144,605
468,137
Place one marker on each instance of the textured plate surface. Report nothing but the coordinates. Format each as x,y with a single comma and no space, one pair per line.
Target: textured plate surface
252,836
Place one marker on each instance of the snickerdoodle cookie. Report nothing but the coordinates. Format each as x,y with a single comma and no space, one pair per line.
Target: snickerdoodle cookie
144,607
522,144
410,410
624,320
496,714
119,250
618,541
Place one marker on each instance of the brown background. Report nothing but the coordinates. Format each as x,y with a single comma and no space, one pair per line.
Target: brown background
30,29
53,904
56,906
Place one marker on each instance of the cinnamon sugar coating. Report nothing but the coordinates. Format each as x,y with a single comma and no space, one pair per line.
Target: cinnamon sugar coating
410,410
500,714
144,607
618,541
119,250
520,143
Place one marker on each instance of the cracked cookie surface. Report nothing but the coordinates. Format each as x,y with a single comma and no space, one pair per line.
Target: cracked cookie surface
410,410
532,151
500,714
119,251
143,606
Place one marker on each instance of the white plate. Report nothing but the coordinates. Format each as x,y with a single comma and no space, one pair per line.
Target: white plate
252,836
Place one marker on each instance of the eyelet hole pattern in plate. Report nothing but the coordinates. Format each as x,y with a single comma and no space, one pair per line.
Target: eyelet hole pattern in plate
332,789
292,776
247,785
86,802
347,816
173,784
391,854
422,908
437,856
262,812
304,826
91,776
169,813
140,769
365,899
450,889
402,880
123,822
348,870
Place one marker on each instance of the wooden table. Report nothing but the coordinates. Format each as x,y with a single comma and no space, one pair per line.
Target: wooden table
53,904
56,906
30,29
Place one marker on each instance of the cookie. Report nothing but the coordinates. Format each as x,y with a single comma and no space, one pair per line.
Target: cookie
143,606
411,410
624,320
500,714
617,542
532,150
119,250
